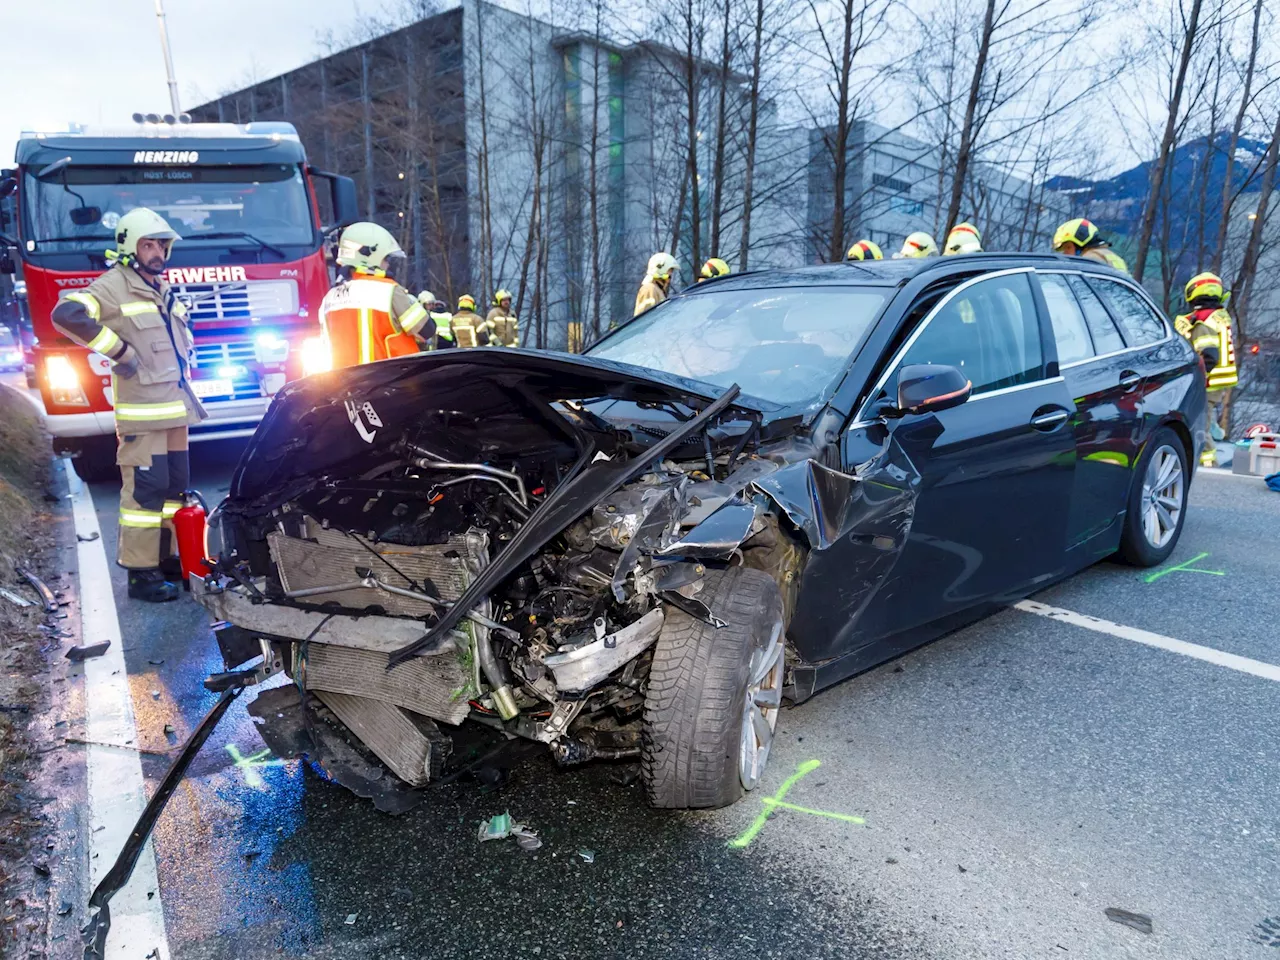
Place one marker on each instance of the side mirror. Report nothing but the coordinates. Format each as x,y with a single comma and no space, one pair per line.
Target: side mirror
929,388
342,195
84,216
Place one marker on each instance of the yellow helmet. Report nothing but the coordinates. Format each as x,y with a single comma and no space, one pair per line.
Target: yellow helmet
365,246
864,250
661,264
502,294
963,238
1080,231
917,245
466,302
1204,285
715,267
138,224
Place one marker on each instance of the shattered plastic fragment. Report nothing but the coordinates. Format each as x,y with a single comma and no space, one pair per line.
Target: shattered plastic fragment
1140,922
497,827
526,839
351,918
77,654
587,855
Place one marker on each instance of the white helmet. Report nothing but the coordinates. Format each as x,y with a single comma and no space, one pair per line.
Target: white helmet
365,246
138,224
917,246
963,238
661,265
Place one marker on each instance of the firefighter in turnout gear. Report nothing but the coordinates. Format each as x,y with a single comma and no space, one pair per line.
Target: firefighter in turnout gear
466,326
963,238
917,246
864,250
130,316
1208,327
441,317
502,324
368,316
1079,238
657,282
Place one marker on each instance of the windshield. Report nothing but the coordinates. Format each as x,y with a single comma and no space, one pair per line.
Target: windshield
269,202
783,344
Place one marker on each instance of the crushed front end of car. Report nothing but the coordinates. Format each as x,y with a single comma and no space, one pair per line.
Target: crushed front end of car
589,555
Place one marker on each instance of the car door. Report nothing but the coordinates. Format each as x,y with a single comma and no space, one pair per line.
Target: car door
994,474
1097,366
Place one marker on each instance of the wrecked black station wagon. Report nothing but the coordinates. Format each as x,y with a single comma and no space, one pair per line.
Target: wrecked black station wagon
761,487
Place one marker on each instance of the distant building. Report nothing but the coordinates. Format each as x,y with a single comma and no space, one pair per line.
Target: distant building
479,156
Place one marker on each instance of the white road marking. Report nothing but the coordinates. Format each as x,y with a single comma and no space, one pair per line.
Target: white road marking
116,792
1217,657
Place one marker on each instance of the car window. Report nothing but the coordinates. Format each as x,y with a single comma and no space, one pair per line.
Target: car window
784,344
1140,322
989,331
1106,337
1069,329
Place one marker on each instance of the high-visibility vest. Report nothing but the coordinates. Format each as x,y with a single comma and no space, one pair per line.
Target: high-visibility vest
360,325
1218,321
1107,256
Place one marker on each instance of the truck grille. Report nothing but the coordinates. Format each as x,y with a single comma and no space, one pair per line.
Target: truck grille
209,357
242,301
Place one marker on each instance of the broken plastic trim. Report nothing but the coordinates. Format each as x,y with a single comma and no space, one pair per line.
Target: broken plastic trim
591,482
94,934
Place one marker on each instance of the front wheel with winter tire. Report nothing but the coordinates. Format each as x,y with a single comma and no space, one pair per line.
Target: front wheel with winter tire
1157,502
714,694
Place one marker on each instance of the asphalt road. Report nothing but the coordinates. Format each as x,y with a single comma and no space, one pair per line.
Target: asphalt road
1016,779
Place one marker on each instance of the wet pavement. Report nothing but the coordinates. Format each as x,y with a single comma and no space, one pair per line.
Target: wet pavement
1013,780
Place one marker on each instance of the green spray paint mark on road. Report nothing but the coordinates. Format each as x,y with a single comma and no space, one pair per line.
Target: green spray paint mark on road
777,802
1184,567
250,765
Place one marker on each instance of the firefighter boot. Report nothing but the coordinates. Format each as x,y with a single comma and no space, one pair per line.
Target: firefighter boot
151,586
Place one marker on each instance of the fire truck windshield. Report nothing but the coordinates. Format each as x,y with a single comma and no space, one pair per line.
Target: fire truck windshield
76,208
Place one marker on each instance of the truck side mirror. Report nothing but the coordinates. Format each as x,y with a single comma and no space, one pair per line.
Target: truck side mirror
342,193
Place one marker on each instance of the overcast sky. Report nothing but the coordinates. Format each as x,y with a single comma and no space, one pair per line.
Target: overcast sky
99,60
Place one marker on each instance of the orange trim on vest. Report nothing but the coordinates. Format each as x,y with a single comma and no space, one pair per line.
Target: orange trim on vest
364,334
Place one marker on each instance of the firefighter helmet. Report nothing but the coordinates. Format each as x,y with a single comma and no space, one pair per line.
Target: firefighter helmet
1080,231
864,250
1207,285
661,264
502,294
466,302
138,224
365,246
917,245
715,267
963,238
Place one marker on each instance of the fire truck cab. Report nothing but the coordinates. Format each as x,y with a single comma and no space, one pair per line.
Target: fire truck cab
250,263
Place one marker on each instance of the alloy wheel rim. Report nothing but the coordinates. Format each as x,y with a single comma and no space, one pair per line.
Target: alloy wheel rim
1163,493
761,707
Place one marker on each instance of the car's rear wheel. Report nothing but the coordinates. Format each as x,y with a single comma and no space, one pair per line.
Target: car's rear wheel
1157,503
714,695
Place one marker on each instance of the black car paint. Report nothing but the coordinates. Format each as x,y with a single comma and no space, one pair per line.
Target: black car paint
904,518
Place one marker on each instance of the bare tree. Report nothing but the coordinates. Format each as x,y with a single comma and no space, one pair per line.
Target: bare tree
1229,192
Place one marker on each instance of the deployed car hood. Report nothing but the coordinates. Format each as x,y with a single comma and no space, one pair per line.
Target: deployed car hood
504,397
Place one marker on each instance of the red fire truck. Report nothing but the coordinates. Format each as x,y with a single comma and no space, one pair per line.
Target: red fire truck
250,265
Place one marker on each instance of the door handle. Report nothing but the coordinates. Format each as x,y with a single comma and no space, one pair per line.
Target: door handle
1048,422
1129,380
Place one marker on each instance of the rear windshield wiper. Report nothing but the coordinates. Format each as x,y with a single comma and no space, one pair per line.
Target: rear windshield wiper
238,234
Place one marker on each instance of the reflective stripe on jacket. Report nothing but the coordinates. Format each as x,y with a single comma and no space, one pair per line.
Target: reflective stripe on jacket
370,318
144,332
468,329
1211,327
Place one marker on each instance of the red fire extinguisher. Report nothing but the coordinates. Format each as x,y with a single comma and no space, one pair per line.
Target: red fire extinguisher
188,524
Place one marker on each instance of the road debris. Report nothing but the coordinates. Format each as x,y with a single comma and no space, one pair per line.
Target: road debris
1140,922
46,595
78,654
14,598
117,746
526,839
351,919
588,856
89,539
497,827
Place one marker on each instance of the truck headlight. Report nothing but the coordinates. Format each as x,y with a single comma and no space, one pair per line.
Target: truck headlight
270,347
315,356
64,382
